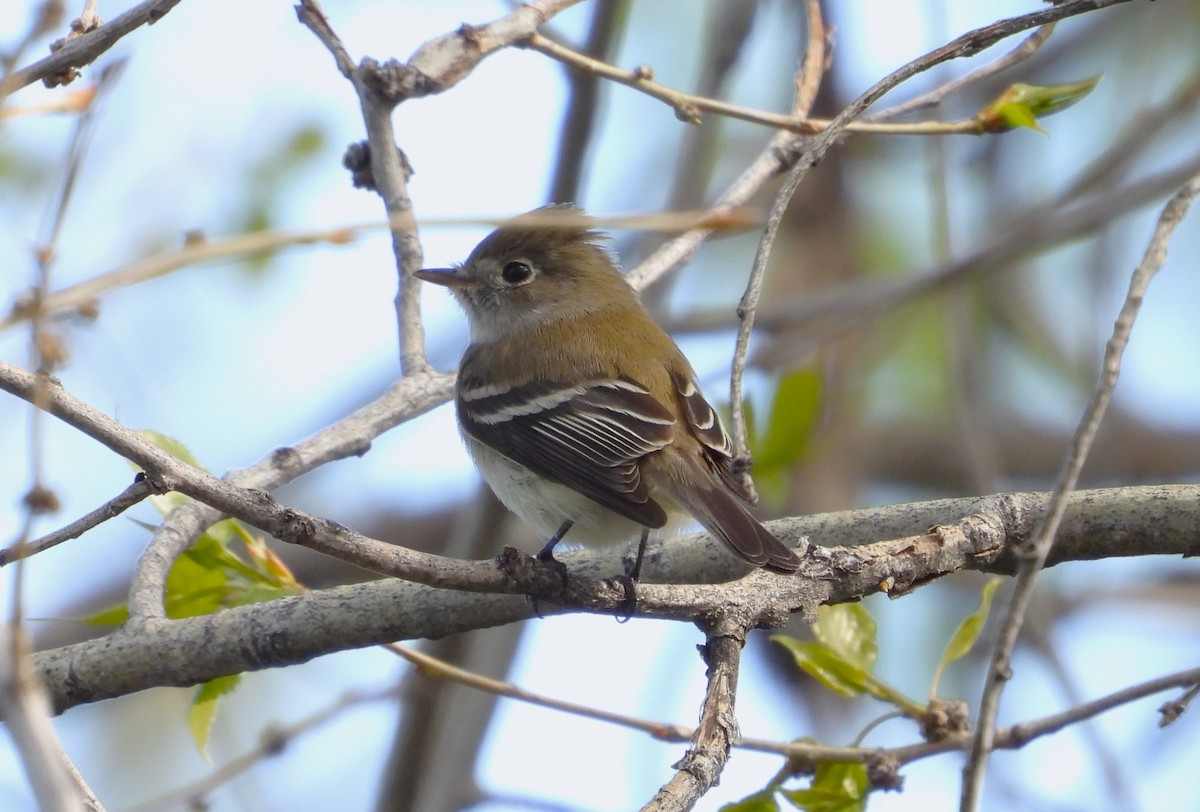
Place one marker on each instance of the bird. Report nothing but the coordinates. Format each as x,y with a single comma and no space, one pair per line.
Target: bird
579,411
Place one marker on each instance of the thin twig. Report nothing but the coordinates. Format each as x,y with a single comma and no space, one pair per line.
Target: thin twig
1009,738
389,172
141,488
272,743
583,101
440,669
436,66
688,106
68,101
91,801
312,16
1039,545
808,83
198,250
47,349
195,251
1028,47
1172,710
781,153
59,67
56,783
1015,736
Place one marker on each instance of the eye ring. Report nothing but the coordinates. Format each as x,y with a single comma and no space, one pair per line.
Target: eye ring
516,273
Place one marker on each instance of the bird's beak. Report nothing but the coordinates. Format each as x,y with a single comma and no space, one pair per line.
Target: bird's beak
448,277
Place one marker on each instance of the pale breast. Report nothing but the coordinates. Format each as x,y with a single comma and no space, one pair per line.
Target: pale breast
544,505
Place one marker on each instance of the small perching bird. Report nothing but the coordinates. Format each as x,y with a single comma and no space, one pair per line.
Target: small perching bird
580,412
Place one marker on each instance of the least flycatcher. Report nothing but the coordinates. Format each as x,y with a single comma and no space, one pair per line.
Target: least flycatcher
579,411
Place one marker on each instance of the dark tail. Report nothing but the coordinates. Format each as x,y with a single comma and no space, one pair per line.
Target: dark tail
724,517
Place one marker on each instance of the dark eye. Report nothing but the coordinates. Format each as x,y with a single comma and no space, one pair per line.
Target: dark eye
516,273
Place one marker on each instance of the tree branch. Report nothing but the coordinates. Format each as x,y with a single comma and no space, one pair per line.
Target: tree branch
141,488
784,150
58,68
680,582
196,249
350,436
388,176
1034,554
1028,47
1009,738
412,396
808,82
688,106
26,711
700,768
273,742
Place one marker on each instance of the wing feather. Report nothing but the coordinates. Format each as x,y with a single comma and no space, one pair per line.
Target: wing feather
589,437
705,425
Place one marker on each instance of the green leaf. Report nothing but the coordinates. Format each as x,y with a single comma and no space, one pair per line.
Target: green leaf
848,630
109,616
761,801
203,711
194,585
1017,115
1020,105
844,678
843,655
967,633
209,576
816,660
794,411
837,786
170,445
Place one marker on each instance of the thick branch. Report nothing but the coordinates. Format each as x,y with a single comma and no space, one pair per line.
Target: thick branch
972,534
